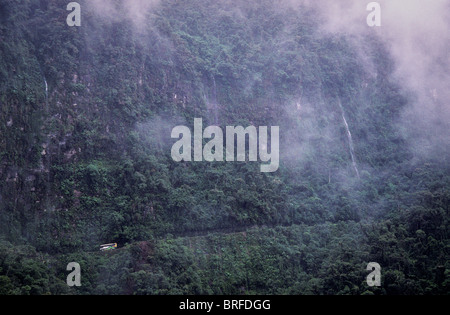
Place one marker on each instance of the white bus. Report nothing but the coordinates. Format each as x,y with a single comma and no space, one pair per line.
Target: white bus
108,246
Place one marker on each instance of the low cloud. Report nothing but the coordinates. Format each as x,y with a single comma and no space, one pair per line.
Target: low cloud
416,35
136,11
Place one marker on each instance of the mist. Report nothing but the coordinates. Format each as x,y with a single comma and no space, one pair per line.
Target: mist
136,11
414,33
416,36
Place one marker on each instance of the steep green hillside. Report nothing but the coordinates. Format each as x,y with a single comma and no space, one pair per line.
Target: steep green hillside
86,118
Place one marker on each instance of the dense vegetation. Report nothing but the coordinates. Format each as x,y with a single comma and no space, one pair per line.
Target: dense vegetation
88,161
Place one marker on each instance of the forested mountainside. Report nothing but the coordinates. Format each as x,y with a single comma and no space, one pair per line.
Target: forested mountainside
86,116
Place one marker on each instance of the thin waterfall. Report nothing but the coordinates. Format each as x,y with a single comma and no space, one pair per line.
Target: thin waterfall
211,102
350,140
46,87
216,118
46,150
46,94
